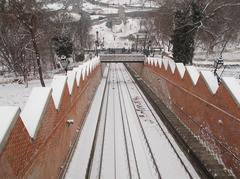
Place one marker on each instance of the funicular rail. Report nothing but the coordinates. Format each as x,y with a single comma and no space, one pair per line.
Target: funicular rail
130,141
133,140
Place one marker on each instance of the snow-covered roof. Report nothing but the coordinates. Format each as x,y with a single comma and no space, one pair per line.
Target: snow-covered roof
8,118
34,109
58,85
74,16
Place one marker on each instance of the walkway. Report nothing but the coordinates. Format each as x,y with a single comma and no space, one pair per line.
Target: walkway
124,138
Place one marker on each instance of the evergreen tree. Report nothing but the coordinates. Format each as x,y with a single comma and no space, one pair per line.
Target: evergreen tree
63,46
186,22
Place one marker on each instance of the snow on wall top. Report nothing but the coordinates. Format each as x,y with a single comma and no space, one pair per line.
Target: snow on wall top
8,118
234,88
155,62
231,84
78,71
58,85
34,109
159,62
165,63
193,73
172,65
181,69
37,102
71,75
83,71
210,80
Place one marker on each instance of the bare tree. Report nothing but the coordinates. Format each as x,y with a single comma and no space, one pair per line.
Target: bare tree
213,22
14,45
28,14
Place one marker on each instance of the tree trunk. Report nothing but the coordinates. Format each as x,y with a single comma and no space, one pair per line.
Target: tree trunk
37,58
25,79
52,56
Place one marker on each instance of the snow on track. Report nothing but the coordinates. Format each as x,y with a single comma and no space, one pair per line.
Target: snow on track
131,141
79,163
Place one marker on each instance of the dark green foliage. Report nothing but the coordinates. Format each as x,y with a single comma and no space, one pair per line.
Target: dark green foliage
63,46
186,22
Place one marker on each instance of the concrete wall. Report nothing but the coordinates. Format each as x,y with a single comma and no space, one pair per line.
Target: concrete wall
211,112
42,156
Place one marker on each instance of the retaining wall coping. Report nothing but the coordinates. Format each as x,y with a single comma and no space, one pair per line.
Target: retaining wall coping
233,87
193,73
71,76
181,69
210,80
35,108
58,84
9,116
230,83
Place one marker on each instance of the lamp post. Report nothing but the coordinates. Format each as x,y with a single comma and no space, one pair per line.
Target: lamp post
218,63
96,44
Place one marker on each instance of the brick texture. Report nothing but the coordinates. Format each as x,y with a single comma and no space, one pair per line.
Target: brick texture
44,156
214,118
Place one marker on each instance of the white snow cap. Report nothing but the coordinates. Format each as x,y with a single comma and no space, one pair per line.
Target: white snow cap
147,60
165,63
233,87
70,80
78,71
159,62
181,69
83,67
210,80
155,62
193,73
172,65
35,108
151,60
58,85
8,118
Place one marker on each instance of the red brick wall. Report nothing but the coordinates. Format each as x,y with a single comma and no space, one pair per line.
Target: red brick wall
24,157
215,118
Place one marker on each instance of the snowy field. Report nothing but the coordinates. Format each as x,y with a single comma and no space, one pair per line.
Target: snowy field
231,62
92,8
117,36
131,141
14,94
131,3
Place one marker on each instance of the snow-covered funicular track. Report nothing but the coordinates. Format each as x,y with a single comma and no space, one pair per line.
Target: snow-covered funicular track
130,141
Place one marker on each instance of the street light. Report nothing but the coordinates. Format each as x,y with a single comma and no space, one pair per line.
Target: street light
96,44
218,63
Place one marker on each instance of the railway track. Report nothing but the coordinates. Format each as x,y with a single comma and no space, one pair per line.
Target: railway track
130,140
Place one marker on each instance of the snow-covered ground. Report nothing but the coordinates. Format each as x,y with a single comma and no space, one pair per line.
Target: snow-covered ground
14,94
130,142
117,36
143,3
231,62
97,9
